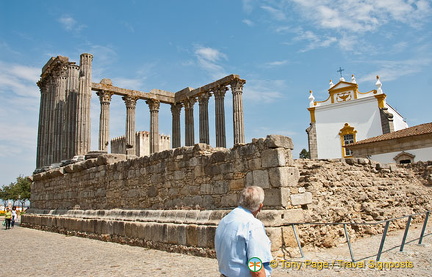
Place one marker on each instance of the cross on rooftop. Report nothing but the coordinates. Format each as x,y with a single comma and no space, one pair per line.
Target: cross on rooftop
340,70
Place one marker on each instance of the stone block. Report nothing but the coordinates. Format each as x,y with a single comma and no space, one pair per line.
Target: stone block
259,178
288,236
284,176
276,218
237,184
192,235
277,197
110,158
191,216
229,200
273,158
301,198
278,141
220,187
275,236
253,164
119,228
181,234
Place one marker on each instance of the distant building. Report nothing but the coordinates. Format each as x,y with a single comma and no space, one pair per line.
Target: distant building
404,146
348,116
142,146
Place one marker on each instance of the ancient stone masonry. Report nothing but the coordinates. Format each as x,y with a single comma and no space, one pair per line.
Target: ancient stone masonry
64,120
168,200
360,190
174,199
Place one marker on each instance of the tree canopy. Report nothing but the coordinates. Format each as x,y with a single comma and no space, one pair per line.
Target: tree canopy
304,154
16,191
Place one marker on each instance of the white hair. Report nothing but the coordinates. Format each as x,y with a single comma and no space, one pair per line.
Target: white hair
251,198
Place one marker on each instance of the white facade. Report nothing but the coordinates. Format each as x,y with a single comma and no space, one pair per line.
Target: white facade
349,112
422,154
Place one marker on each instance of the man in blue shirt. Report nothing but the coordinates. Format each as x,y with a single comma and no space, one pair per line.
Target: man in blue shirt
241,243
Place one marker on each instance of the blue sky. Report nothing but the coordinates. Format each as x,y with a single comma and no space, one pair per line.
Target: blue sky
283,48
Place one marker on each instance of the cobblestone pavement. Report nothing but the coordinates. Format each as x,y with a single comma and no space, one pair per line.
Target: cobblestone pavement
38,253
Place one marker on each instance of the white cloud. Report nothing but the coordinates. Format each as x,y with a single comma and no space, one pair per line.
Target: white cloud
315,41
208,59
247,6
248,22
20,80
276,63
393,70
275,13
70,24
362,16
265,91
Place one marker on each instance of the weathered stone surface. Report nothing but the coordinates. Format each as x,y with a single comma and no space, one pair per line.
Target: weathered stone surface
258,178
279,141
110,158
301,198
273,158
284,176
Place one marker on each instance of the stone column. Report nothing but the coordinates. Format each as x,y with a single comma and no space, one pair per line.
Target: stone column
104,119
189,121
42,126
204,118
130,102
83,122
72,86
238,118
154,125
50,121
219,94
312,141
176,135
60,111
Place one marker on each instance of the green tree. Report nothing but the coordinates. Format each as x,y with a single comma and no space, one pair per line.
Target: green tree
23,188
5,194
17,191
304,154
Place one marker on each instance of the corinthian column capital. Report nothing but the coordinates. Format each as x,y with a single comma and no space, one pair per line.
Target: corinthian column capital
153,104
220,91
130,101
203,98
237,85
189,103
104,96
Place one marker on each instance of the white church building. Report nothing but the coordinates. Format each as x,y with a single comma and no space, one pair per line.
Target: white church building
348,116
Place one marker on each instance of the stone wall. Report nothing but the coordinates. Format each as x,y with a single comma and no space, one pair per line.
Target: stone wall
198,177
360,190
174,199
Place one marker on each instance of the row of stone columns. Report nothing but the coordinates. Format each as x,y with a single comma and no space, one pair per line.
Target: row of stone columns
64,117
188,104
64,113
203,99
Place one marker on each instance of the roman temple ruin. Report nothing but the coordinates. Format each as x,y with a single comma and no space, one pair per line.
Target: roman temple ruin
174,199
64,117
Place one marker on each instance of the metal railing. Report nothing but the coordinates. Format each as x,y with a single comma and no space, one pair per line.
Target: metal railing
384,234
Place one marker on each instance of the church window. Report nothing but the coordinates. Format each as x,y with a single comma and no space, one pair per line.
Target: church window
404,158
348,139
347,136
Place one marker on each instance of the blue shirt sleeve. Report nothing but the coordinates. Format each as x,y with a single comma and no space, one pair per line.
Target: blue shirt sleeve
259,245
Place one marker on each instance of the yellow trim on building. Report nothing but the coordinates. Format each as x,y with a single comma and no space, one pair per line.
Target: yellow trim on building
312,114
346,130
381,100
